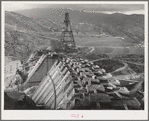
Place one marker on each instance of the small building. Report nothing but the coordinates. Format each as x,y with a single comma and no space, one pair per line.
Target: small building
11,66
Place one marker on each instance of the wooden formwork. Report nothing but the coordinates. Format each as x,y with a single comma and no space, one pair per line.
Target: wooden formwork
54,87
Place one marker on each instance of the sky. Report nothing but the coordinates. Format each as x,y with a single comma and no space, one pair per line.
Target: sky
88,7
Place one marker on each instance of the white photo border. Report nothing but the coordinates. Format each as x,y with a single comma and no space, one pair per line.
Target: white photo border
66,114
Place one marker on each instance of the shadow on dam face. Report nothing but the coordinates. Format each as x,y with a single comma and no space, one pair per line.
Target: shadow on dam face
42,70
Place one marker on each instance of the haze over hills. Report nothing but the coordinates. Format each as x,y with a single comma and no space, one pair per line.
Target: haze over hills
41,27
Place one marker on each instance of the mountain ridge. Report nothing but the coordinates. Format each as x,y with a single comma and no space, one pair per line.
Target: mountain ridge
36,31
109,23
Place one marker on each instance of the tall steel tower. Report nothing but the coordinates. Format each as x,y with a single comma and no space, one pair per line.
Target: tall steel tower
67,35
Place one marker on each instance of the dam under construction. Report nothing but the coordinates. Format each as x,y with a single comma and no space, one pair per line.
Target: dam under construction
51,80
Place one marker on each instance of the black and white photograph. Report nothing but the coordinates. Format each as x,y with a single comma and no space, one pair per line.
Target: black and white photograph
72,56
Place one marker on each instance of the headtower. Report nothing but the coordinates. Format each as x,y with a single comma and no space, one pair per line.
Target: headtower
67,35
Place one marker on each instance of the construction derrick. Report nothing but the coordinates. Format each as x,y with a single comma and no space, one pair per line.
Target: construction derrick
67,39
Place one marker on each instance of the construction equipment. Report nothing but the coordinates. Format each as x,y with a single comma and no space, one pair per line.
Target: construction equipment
67,39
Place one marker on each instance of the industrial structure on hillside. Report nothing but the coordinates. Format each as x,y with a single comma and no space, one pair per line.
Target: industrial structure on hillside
67,38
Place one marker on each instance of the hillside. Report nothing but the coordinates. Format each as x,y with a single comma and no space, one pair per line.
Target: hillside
23,35
130,27
23,23
28,30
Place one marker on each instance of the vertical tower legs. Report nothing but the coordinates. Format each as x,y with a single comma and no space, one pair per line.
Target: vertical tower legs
67,39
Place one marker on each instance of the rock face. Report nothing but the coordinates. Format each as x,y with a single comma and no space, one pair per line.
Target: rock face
9,103
17,101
